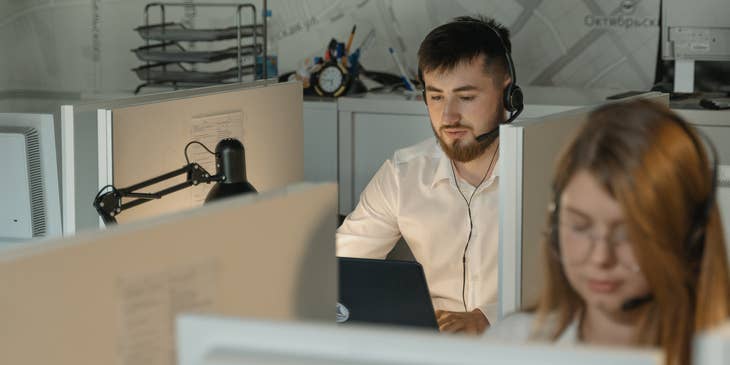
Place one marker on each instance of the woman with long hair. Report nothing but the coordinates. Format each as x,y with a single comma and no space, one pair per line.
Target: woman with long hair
634,252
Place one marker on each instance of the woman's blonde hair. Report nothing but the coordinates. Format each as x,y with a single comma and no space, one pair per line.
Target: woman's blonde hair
655,165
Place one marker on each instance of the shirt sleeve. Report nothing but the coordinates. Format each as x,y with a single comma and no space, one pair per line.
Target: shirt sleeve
491,311
371,230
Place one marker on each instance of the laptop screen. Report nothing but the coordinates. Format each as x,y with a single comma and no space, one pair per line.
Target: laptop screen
384,292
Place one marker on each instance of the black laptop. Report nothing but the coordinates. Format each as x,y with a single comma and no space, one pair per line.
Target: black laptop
384,292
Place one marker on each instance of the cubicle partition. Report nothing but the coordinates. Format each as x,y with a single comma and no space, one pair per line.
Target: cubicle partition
111,296
125,141
528,152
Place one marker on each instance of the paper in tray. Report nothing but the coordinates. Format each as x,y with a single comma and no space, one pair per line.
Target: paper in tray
178,32
174,72
174,52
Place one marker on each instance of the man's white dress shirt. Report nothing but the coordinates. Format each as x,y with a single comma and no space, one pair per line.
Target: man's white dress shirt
414,195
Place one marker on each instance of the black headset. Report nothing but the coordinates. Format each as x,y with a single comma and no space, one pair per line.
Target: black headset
694,242
512,96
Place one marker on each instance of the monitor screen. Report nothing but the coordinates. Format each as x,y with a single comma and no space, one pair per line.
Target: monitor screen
209,340
696,30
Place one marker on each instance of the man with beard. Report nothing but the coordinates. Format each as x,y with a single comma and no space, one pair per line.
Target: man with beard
441,194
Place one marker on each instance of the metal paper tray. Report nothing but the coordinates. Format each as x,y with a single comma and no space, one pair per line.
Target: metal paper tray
174,72
178,32
174,52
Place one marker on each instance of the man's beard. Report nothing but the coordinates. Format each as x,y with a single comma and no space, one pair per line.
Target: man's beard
461,151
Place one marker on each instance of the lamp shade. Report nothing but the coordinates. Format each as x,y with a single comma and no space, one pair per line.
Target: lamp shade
230,161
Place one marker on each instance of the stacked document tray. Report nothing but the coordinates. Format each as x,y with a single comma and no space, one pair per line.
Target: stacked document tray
168,62
174,52
178,73
178,32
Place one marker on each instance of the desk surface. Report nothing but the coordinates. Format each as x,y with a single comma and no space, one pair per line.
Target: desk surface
705,117
400,102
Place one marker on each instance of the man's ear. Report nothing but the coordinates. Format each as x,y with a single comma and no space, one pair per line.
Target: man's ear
507,80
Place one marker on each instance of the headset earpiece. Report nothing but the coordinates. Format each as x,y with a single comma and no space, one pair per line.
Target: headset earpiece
513,98
695,245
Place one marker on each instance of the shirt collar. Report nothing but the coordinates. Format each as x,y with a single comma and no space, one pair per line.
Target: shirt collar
444,170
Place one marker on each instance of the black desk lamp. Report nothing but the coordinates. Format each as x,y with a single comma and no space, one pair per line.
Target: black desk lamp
230,179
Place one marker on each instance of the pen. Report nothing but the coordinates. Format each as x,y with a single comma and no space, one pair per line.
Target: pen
349,44
406,81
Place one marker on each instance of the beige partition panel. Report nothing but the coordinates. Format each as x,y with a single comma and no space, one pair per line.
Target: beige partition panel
109,297
542,140
80,150
148,140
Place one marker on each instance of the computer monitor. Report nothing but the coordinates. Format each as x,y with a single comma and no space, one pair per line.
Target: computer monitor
111,296
694,31
207,340
29,190
528,150
712,347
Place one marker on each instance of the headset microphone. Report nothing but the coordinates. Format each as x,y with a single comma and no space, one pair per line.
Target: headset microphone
489,136
494,133
637,302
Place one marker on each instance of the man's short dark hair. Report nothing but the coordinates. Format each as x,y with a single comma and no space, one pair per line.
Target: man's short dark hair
464,39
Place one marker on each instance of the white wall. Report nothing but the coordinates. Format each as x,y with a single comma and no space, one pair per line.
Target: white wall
84,45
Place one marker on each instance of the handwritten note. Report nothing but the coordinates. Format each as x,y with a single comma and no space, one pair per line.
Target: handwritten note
209,130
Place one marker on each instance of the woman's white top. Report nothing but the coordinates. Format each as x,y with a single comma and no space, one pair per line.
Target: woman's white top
520,327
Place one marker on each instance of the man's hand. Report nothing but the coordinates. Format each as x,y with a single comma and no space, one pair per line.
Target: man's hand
473,323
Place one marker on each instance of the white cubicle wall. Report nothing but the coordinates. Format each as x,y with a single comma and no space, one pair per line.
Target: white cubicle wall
320,139
207,340
149,132
712,347
372,127
111,296
528,150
